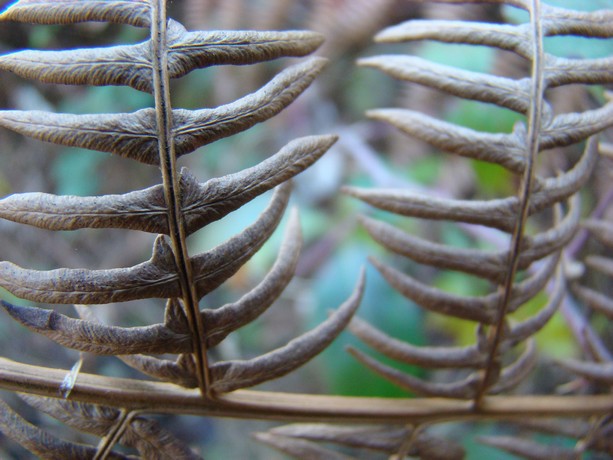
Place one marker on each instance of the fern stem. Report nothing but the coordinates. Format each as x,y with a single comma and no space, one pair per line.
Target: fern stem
159,397
172,190
405,446
591,436
107,443
532,150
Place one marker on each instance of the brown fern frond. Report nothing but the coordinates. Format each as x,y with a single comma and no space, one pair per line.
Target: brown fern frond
181,371
536,255
227,318
298,448
529,260
527,449
600,370
135,135
231,375
589,438
492,213
145,210
144,435
380,439
174,209
130,64
41,443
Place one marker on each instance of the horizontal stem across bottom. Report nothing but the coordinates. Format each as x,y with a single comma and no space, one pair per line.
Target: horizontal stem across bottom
159,397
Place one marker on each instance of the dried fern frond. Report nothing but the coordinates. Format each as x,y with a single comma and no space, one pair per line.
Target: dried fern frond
144,435
298,439
591,439
528,449
504,351
594,367
41,443
518,153
174,209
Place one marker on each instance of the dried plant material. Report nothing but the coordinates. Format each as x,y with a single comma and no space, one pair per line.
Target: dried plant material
505,92
196,128
472,261
130,64
97,338
503,36
154,278
560,21
141,210
473,308
593,437
523,330
135,136
521,270
176,208
601,264
515,373
528,449
145,210
503,149
387,439
299,449
133,12
599,372
498,213
219,196
606,148
231,375
595,300
227,318
503,352
493,213
41,443
437,357
217,265
118,65
571,128
601,230
463,389
196,50
145,435
181,371
553,190
377,438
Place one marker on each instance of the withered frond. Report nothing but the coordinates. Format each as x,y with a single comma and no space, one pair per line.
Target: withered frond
176,208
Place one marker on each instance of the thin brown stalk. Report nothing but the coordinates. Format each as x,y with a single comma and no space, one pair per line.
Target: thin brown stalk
532,141
407,443
172,190
108,442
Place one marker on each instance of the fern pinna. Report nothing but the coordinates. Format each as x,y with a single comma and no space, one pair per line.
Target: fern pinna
175,209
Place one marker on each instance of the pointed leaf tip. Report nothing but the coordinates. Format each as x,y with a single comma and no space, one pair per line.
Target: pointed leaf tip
222,321
232,375
93,337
